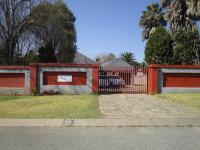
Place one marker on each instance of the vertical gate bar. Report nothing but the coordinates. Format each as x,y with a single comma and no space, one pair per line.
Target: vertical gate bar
147,74
142,80
120,76
126,81
126,75
99,79
114,80
132,80
137,80
129,79
107,71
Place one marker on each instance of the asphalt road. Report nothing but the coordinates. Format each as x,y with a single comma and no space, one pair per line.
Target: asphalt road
43,138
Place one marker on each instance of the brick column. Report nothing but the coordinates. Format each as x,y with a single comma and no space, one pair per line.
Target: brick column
153,79
33,77
95,79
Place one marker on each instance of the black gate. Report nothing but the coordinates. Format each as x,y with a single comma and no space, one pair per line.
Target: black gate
131,80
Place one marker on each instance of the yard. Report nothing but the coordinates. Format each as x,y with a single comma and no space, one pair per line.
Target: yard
187,99
68,106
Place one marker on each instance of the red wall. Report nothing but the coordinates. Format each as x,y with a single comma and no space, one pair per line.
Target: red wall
181,80
188,80
152,80
14,80
17,80
78,78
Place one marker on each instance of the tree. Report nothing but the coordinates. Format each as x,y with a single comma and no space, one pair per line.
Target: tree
152,18
186,48
129,57
30,57
158,48
54,25
14,21
193,9
47,54
176,13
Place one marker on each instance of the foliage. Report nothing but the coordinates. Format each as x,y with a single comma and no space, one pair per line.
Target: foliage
176,14
54,25
193,9
158,49
30,57
152,18
185,49
185,38
129,57
14,21
47,53
32,24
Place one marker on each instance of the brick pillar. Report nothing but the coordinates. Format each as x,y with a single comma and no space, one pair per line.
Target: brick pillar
33,77
95,79
153,79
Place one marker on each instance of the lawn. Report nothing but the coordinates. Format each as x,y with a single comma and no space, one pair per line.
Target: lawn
187,99
70,106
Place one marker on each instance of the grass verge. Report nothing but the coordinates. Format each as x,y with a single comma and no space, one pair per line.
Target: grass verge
50,107
187,99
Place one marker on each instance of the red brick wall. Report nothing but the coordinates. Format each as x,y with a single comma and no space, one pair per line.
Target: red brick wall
181,80
78,78
12,80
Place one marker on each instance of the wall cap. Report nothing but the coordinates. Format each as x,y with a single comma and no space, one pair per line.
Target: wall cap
174,66
14,67
64,65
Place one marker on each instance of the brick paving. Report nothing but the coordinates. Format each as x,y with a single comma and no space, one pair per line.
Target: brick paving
143,106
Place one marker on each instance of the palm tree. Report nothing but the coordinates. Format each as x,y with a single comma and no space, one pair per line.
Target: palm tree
129,57
151,19
193,10
176,14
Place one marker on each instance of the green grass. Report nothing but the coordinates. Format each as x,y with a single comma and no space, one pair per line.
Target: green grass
38,107
187,99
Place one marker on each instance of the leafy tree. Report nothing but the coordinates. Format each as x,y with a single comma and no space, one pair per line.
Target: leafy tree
47,54
129,57
186,50
30,57
158,49
54,23
152,18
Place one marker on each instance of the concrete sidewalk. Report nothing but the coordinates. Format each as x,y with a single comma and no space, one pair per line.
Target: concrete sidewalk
100,122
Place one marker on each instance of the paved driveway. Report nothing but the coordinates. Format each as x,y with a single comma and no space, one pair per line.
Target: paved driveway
143,106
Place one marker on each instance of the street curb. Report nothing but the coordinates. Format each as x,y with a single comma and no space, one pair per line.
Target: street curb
191,122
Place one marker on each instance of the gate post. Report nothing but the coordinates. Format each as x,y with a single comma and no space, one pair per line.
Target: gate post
153,79
95,79
33,77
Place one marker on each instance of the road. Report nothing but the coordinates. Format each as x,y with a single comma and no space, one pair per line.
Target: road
55,138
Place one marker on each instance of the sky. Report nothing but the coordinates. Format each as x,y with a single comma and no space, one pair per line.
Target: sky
109,26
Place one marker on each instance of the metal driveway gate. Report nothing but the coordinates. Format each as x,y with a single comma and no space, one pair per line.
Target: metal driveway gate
131,80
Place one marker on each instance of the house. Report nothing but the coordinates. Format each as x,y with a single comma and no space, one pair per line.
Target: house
118,62
118,67
82,59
